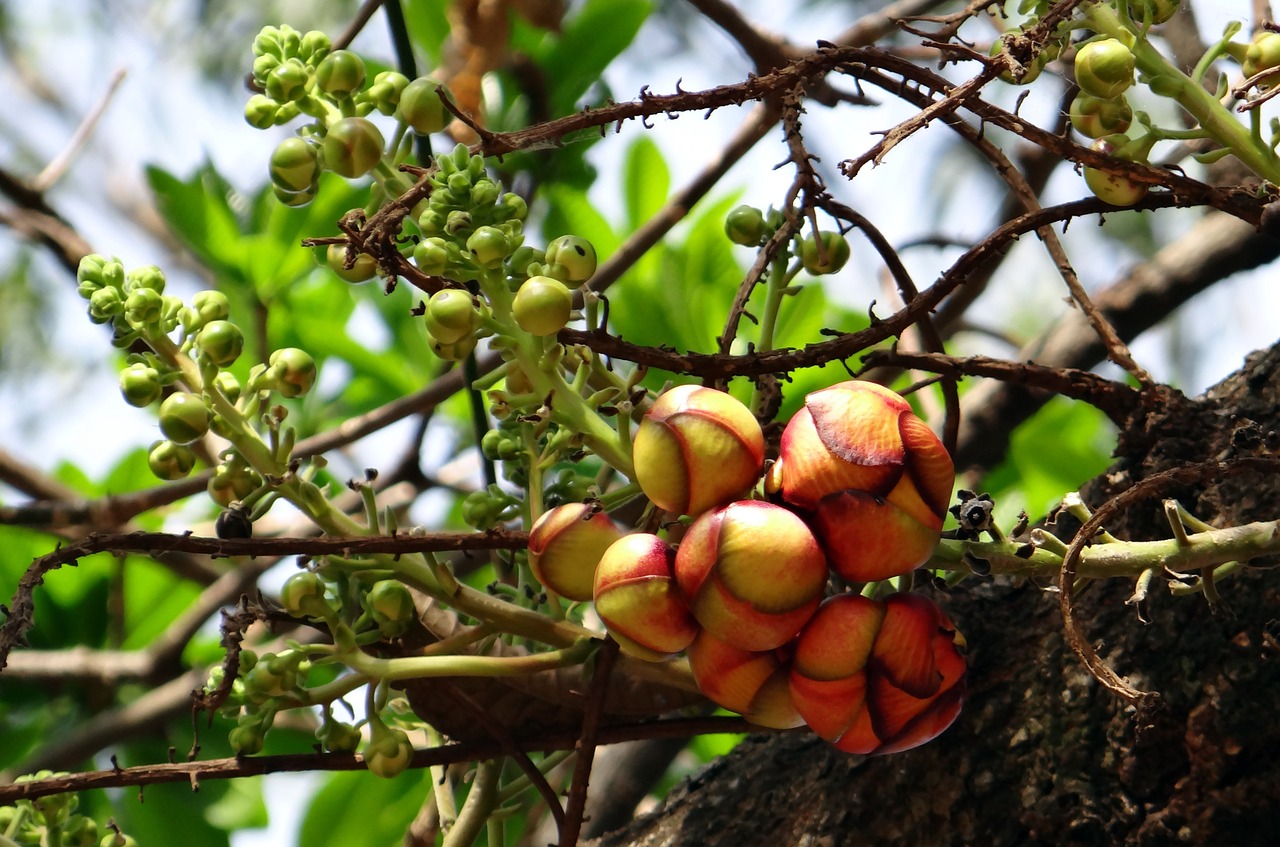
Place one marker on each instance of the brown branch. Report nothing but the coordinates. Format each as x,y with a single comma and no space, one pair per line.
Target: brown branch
585,747
449,754
1152,486
1115,399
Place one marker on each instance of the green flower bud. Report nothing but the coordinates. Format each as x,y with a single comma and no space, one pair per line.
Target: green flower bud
96,272
142,307
519,209
488,246
206,306
267,42
290,40
261,111
140,385
421,108
745,225
338,737
457,223
459,184
227,383
246,740
363,269
1157,11
484,193
231,484
391,606
340,74
287,81
221,341
352,147
831,258
147,276
455,351
1095,117
576,255
264,65
431,221
184,418
294,199
302,595
80,831
1104,68
293,371
1262,54
384,94
1112,186
542,305
431,256
389,752
521,258
451,315
1030,72
315,45
295,166
105,303
170,461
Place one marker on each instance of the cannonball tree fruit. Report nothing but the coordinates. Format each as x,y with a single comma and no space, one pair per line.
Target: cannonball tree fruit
875,677
1104,68
363,269
565,546
352,147
872,477
184,418
752,573
697,448
636,596
542,305
756,685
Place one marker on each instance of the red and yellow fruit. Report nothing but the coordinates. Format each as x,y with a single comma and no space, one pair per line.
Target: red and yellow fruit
636,597
565,546
756,685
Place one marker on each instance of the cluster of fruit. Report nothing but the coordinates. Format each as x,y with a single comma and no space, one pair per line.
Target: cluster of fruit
860,487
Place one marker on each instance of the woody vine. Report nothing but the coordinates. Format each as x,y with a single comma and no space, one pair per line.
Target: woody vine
660,541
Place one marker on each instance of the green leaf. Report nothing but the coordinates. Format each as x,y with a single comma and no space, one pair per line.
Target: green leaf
387,807
428,26
241,807
647,181
588,43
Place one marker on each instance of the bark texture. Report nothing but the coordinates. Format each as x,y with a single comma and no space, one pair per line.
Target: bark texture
1042,754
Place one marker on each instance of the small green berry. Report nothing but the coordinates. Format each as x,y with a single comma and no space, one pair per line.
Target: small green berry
431,255
745,225
542,305
184,418
451,315
831,258
295,165
1104,68
488,246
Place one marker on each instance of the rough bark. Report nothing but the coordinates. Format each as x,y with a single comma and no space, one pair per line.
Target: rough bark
1042,754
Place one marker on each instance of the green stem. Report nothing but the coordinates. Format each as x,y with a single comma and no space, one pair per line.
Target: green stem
421,667
477,806
1219,123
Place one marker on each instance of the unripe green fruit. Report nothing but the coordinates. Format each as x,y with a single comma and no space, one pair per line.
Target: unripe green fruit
542,305
221,341
294,371
488,246
294,165
140,385
352,147
1104,68
170,461
831,258
745,225
363,269
576,255
341,73
431,255
1095,117
184,418
451,315
421,108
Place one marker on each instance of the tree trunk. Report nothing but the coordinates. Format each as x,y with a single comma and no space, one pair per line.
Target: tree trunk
1042,754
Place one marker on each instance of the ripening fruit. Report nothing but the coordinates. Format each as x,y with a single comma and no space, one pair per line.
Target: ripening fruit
636,597
756,685
1104,68
565,545
352,147
542,305
184,418
873,477
752,573
876,677
697,448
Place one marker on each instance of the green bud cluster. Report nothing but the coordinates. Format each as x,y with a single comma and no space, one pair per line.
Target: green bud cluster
49,820
134,303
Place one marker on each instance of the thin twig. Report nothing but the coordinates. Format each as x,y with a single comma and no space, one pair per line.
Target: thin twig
585,747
